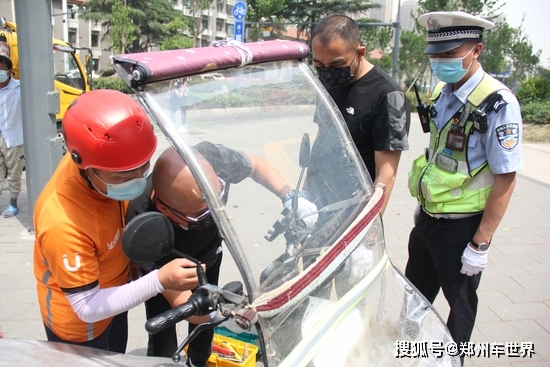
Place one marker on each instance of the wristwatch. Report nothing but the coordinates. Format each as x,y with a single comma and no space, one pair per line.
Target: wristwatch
288,196
483,246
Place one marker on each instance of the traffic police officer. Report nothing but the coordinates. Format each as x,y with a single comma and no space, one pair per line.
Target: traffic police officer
464,181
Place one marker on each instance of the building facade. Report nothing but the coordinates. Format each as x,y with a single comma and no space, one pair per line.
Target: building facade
384,13
214,23
408,10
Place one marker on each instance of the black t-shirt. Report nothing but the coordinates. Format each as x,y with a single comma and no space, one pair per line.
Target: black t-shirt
331,175
377,114
205,244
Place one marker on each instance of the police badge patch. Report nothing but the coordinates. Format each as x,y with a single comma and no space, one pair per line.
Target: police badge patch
508,136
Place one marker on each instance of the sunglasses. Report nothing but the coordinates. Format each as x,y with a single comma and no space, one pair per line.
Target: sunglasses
198,218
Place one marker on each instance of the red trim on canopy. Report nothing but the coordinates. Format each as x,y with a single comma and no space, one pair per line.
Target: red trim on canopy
317,268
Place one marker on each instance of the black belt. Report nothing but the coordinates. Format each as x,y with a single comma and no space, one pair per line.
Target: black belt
450,215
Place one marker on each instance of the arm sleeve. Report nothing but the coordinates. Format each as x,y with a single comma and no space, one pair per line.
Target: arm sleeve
391,124
97,304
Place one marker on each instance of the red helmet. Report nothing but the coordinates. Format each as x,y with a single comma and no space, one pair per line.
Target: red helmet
107,129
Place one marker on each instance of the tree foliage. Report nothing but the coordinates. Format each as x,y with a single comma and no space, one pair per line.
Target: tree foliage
412,59
385,63
121,32
258,9
496,47
307,13
148,19
375,37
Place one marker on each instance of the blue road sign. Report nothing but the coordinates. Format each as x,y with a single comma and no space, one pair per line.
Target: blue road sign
239,10
239,31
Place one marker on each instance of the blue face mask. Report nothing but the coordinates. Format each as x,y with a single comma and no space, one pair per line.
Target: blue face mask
450,70
125,191
4,75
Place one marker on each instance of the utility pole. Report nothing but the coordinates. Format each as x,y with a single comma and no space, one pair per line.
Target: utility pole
397,36
40,102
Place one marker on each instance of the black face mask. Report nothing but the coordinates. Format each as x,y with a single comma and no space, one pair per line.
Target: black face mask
336,78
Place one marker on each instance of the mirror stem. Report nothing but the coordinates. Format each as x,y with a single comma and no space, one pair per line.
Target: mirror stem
201,275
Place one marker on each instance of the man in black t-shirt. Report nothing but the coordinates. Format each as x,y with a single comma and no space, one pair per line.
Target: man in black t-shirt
173,191
374,107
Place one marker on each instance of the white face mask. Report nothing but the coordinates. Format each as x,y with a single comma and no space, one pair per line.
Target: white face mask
4,75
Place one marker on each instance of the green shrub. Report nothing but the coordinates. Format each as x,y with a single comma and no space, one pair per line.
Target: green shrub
536,113
534,90
411,98
111,83
108,72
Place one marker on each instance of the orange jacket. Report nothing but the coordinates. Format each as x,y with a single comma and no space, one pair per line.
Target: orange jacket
78,245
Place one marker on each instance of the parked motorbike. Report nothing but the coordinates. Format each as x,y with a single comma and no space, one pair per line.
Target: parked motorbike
317,289
316,295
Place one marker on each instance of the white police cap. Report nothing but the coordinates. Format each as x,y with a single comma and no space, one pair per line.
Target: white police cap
448,30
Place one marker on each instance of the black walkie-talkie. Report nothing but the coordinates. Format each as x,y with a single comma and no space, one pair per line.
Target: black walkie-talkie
423,112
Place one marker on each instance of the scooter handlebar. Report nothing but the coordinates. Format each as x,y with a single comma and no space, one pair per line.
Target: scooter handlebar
201,303
171,317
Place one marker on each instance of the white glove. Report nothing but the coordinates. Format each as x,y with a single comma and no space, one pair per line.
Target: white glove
473,261
359,263
305,210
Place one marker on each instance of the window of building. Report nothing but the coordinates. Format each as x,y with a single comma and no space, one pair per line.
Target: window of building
229,29
72,36
95,39
219,25
95,64
204,23
220,6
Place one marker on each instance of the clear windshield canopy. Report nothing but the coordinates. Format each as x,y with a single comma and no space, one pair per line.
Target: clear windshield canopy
320,280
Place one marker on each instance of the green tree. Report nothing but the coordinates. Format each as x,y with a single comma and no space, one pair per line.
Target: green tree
148,18
496,47
265,11
385,63
543,72
412,59
523,59
177,35
375,37
122,30
258,9
307,13
487,8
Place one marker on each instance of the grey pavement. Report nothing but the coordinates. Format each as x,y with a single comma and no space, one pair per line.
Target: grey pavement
514,303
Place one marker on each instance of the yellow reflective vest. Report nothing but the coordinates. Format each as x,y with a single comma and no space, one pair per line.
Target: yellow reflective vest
441,179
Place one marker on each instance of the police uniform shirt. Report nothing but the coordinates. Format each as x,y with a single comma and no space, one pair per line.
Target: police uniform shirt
500,145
